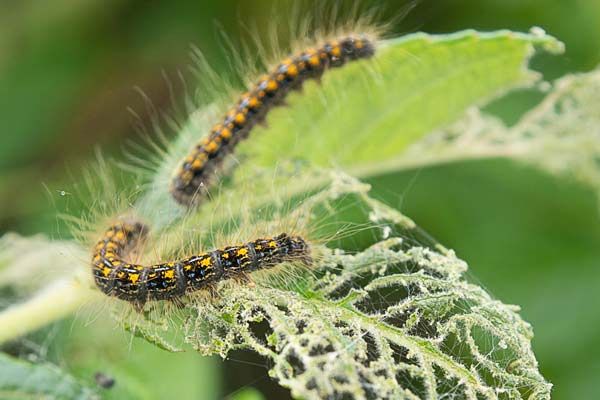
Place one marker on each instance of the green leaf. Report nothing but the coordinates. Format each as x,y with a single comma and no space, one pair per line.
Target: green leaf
363,116
396,317
24,260
53,273
152,338
247,394
561,135
22,380
396,320
367,113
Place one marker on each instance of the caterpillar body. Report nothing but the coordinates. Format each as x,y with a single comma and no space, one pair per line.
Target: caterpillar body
170,280
116,276
199,166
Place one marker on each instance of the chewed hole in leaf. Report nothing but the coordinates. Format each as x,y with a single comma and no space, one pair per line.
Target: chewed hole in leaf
386,322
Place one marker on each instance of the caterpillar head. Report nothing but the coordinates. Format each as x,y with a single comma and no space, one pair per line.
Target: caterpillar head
355,47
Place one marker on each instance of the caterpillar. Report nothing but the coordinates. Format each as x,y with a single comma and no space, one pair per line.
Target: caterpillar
197,169
137,284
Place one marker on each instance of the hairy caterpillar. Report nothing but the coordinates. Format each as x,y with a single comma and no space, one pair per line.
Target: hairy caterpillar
197,168
170,280
137,284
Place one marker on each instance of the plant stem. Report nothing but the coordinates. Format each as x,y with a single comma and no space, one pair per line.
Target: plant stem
54,302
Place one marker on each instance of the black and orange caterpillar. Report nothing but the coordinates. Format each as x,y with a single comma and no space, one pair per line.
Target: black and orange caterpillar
198,168
137,284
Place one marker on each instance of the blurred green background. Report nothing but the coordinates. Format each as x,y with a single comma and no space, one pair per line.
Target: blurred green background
68,73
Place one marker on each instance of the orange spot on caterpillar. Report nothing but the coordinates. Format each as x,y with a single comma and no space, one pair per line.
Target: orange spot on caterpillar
239,118
292,71
271,86
211,147
197,164
253,102
206,262
225,133
254,105
169,274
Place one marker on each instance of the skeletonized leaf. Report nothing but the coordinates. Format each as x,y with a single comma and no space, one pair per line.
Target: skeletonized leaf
397,320
560,135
